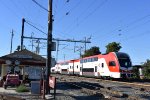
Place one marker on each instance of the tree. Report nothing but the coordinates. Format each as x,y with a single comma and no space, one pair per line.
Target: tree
135,71
92,51
146,69
113,47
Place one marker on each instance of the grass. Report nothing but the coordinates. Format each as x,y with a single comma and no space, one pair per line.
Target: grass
22,88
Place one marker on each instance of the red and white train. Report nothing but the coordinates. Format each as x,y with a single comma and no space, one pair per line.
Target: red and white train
113,64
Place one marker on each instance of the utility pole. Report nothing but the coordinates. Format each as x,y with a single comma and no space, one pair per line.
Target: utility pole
38,46
12,35
22,34
32,41
49,45
80,50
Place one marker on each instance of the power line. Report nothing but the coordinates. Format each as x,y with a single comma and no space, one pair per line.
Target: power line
115,23
61,5
15,5
89,14
81,14
36,27
40,5
127,26
37,24
11,10
69,11
137,35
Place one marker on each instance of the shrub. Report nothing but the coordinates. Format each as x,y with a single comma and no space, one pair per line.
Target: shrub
22,88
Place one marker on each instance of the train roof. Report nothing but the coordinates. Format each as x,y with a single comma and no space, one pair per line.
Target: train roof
118,54
122,55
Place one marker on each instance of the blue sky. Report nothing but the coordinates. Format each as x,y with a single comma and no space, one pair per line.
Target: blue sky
105,21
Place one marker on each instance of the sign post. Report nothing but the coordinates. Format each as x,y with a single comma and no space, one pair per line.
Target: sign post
52,84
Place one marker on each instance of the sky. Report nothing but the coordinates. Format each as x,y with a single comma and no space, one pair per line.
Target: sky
104,21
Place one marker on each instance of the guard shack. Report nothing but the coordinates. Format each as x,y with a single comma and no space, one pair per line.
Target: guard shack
24,62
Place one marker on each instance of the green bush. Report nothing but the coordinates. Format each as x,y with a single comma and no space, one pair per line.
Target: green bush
135,72
22,88
146,70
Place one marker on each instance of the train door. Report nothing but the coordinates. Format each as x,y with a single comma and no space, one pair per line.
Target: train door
96,73
104,71
101,69
81,67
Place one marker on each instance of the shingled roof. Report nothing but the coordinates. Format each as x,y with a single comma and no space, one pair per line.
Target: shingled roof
25,57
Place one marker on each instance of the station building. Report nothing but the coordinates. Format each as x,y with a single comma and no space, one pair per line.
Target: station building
25,63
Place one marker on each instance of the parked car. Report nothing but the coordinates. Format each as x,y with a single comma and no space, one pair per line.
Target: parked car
11,80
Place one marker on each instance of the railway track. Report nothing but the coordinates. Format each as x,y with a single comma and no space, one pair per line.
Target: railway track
107,88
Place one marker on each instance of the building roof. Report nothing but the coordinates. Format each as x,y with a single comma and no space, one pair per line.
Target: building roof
25,57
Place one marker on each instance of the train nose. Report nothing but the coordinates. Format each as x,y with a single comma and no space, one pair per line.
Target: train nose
126,73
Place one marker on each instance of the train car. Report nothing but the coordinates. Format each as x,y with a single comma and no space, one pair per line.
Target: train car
57,68
64,67
113,64
53,69
74,67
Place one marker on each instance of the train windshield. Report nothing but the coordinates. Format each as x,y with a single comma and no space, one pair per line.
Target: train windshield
124,60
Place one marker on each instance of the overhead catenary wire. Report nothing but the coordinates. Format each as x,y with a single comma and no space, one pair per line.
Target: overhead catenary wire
81,20
55,7
90,14
69,11
16,6
40,5
36,27
126,26
136,36
11,10
81,14
37,24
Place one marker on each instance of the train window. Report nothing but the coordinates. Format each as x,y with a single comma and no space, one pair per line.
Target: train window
88,69
77,66
85,60
92,59
125,62
112,63
89,59
80,68
102,64
81,61
95,58
70,67
95,68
